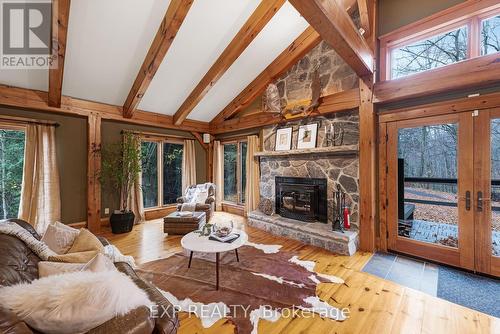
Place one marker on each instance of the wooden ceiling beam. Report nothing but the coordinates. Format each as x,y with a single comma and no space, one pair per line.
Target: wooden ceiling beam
60,18
337,102
38,100
335,26
289,57
257,21
170,25
364,17
475,72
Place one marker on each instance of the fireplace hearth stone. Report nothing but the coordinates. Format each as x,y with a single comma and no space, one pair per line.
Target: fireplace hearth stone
319,235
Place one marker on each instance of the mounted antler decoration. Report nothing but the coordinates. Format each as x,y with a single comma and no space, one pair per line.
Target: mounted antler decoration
305,108
271,99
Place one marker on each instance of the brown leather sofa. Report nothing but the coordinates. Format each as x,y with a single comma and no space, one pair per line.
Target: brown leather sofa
19,264
208,207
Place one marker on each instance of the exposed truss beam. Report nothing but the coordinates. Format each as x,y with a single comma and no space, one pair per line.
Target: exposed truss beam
293,53
364,17
60,17
175,15
37,100
337,102
257,21
335,26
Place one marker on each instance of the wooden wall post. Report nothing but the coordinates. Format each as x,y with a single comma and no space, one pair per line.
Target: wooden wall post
93,168
210,161
367,166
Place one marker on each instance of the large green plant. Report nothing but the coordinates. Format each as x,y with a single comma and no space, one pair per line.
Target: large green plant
120,166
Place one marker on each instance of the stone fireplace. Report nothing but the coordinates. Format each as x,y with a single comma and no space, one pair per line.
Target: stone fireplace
297,215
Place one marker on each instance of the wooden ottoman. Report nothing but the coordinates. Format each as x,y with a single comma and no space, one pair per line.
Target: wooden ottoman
175,224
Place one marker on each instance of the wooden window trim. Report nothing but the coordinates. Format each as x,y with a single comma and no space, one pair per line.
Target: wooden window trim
237,142
469,13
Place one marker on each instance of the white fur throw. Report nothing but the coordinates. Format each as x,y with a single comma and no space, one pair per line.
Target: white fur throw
38,247
74,302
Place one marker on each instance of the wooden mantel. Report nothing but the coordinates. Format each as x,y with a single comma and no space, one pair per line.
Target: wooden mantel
331,150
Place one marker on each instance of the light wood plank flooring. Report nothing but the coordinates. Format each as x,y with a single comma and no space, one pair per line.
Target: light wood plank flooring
376,305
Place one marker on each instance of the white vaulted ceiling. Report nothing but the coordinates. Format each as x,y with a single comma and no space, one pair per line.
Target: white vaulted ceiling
109,39
107,43
208,28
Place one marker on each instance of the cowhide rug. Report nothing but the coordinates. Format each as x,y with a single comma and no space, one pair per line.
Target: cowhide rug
264,277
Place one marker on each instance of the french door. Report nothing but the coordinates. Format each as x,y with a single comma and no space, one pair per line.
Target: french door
442,189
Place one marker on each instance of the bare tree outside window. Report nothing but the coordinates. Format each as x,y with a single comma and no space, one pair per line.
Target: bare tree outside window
434,52
490,35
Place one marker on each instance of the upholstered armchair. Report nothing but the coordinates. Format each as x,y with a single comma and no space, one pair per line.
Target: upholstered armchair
200,197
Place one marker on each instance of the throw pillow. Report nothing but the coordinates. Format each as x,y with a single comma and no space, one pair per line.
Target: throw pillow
86,241
201,197
73,302
59,237
98,264
49,268
79,257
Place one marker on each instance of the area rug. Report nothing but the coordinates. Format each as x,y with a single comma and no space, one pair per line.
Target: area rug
473,291
261,286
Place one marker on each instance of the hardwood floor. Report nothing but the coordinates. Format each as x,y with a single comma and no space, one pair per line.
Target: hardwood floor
376,305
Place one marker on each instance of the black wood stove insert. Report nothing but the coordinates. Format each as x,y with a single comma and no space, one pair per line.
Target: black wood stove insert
303,199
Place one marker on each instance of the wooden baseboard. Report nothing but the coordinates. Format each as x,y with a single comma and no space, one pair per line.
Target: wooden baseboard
104,222
159,213
234,209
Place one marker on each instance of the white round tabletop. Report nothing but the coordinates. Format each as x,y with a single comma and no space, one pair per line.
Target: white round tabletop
197,243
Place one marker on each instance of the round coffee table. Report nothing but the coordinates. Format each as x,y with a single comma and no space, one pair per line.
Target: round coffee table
194,242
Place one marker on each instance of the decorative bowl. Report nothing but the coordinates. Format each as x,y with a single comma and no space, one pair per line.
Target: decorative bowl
223,229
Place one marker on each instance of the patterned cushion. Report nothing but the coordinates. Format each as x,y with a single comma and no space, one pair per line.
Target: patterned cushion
59,237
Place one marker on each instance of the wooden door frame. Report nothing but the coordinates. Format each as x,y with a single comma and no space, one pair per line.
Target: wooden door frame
463,256
485,261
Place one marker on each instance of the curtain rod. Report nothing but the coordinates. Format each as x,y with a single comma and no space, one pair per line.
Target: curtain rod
23,120
153,134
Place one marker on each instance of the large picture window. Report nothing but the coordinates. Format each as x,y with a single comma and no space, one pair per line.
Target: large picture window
235,172
11,170
432,52
161,172
465,31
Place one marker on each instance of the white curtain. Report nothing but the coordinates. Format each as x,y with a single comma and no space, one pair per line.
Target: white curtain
252,192
135,201
40,202
188,164
218,164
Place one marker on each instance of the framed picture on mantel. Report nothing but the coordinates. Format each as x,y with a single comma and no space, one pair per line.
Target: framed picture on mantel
283,139
307,136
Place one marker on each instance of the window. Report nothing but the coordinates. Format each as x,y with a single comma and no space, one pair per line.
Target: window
172,172
490,35
433,52
149,152
11,171
235,172
161,172
468,30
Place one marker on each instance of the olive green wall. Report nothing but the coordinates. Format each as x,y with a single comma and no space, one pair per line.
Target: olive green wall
111,133
394,14
71,146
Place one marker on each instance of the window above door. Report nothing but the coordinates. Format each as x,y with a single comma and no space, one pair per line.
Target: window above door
465,31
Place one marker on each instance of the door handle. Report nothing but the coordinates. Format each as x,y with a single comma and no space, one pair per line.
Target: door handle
479,201
467,200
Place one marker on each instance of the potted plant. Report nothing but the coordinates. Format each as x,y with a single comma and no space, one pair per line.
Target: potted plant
120,166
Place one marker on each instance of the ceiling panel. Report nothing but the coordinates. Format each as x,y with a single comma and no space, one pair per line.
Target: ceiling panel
208,28
282,30
107,43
